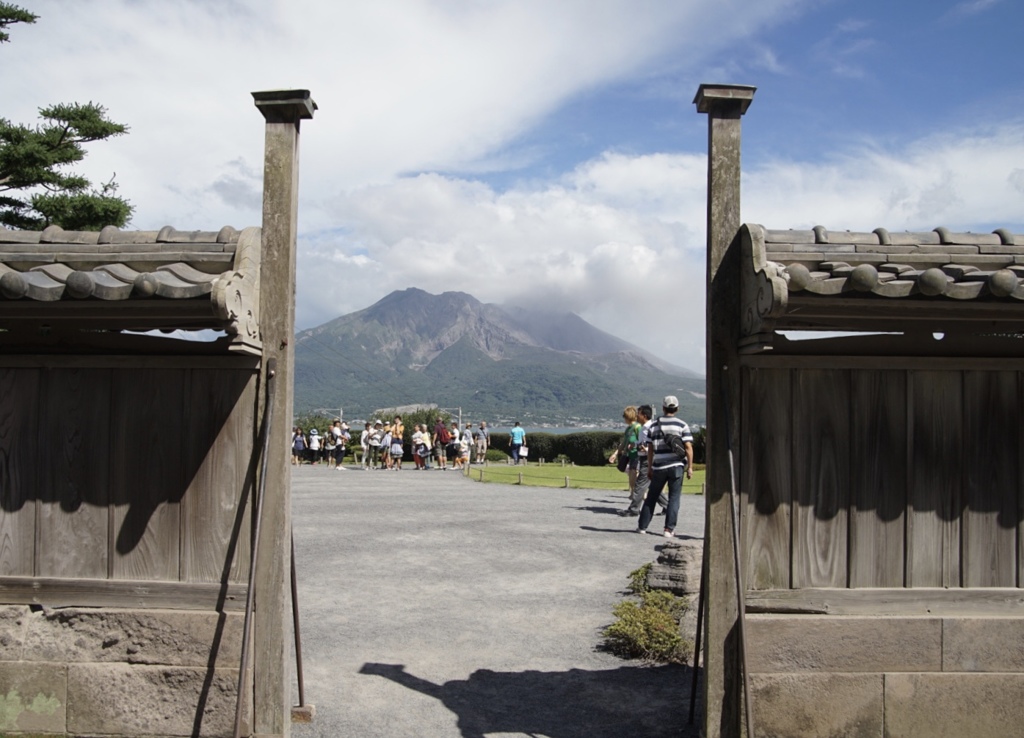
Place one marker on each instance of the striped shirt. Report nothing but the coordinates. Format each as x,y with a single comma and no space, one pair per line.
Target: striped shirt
664,456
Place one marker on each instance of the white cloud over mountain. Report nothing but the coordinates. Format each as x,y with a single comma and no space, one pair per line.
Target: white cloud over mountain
411,92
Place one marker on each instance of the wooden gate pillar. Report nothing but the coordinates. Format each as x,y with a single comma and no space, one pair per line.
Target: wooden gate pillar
725,105
283,109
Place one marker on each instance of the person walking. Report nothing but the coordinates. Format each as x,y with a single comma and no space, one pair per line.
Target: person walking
298,446
483,442
516,441
629,447
440,440
364,445
342,437
397,447
373,444
643,483
467,436
331,445
314,446
385,447
665,466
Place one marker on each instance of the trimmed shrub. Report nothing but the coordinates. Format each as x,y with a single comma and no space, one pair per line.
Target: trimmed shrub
638,579
496,456
649,629
588,448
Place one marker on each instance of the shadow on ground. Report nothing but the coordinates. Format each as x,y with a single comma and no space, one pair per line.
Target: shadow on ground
630,700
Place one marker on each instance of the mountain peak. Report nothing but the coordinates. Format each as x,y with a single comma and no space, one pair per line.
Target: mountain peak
412,346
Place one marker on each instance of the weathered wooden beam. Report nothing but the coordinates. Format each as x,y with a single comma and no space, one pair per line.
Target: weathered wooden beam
283,110
57,592
724,104
937,601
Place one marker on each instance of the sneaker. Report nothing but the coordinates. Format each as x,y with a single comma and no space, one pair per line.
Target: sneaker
628,514
669,534
641,531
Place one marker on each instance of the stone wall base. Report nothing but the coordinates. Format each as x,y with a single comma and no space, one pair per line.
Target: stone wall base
145,673
880,677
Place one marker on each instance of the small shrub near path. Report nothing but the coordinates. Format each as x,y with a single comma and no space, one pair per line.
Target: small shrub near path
648,629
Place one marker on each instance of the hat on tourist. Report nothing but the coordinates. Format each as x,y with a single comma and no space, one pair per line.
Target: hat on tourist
314,432
670,401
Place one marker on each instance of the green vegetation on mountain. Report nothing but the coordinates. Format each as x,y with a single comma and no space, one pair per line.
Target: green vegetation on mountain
455,352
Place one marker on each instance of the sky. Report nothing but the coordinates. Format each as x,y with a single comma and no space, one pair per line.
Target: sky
539,152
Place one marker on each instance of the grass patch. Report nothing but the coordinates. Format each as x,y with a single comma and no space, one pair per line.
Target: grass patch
580,477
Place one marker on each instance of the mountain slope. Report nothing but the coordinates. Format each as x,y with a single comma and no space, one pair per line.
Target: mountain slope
412,347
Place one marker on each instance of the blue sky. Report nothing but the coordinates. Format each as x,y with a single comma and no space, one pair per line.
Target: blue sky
538,152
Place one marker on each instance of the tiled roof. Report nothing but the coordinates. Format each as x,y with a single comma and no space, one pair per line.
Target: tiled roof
88,276
961,266
839,278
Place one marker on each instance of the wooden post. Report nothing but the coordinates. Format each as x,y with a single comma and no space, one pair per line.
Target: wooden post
724,105
272,693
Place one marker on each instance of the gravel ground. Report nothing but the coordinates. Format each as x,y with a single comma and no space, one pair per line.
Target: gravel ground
433,605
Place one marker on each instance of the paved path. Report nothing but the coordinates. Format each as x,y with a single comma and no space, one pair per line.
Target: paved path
436,606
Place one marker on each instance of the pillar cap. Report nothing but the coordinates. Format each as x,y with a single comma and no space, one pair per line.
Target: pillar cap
712,98
284,106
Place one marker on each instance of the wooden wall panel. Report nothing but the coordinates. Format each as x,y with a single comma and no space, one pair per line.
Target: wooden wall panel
991,515
216,509
765,478
934,478
147,472
821,473
19,393
878,478
74,485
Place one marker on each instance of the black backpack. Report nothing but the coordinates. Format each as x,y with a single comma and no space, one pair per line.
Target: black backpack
676,443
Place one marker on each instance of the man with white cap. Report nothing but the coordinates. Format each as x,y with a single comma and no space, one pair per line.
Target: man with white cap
665,466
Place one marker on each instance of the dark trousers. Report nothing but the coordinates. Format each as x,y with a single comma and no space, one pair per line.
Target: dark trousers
673,478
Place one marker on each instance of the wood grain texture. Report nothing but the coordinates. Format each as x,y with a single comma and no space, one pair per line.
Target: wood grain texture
57,592
936,448
73,457
147,472
765,478
216,538
918,601
878,478
19,392
821,472
991,515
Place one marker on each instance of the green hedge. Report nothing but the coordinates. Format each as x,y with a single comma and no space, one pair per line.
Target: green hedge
589,448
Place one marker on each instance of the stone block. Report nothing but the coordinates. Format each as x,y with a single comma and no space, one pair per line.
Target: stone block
13,622
169,637
818,705
983,644
33,697
142,700
678,567
953,705
795,643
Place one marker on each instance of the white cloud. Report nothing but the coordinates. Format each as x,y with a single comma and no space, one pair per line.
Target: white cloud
403,85
411,87
962,180
972,7
613,238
